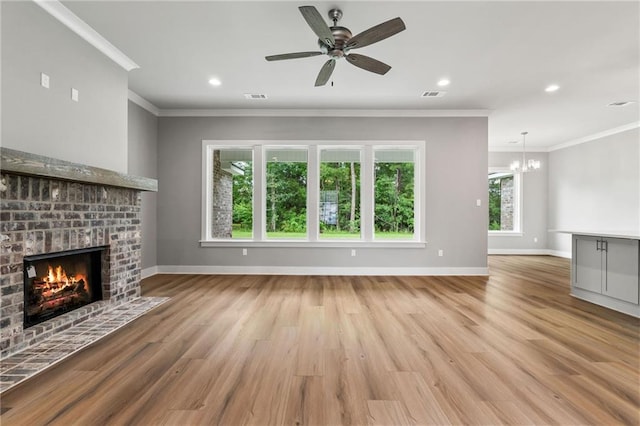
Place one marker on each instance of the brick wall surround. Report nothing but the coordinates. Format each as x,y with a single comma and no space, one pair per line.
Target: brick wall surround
41,215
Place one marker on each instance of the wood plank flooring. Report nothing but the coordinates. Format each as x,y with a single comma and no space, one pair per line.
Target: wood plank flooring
513,348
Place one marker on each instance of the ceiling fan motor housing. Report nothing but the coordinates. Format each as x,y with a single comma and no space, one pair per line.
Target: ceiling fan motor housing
341,35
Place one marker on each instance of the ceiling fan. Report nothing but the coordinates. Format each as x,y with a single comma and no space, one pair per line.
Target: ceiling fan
337,42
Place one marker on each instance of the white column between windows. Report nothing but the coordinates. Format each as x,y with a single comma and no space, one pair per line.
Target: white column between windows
259,188
368,195
313,192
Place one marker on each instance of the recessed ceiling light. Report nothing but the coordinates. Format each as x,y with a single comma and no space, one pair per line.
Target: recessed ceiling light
214,82
443,82
512,142
552,88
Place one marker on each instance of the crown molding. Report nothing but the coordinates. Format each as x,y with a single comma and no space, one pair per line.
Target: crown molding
81,28
588,138
143,103
518,148
595,136
404,113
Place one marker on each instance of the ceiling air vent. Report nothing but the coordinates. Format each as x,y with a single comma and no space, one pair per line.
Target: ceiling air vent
433,94
255,96
620,103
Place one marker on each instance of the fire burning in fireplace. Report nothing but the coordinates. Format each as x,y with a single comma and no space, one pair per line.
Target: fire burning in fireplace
60,282
57,283
58,289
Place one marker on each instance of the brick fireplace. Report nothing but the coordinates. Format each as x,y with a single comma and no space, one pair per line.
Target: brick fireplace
50,206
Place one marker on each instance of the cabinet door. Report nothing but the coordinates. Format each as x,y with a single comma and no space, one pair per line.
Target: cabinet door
621,269
587,264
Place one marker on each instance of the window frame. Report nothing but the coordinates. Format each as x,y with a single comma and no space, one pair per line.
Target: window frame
417,199
519,205
313,148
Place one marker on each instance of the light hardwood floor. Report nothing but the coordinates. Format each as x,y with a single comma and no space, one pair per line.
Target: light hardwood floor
512,348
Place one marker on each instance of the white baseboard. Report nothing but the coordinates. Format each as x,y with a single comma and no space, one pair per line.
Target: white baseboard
149,272
531,252
344,271
558,253
525,252
303,270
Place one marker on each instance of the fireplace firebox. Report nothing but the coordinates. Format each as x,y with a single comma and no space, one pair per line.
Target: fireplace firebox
56,283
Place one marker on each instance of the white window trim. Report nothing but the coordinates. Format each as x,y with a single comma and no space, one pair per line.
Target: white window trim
517,184
418,199
313,184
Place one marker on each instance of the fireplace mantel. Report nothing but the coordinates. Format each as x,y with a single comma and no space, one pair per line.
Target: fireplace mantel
24,163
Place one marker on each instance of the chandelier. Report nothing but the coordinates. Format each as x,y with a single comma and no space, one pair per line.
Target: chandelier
526,165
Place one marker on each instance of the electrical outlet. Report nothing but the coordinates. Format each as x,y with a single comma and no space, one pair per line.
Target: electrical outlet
353,253
75,95
535,239
478,202
440,253
244,252
44,80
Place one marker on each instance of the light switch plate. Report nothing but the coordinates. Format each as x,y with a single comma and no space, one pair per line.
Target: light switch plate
75,94
44,80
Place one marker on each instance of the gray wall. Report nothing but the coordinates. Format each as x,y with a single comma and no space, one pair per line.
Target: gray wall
143,161
46,121
595,186
456,169
534,193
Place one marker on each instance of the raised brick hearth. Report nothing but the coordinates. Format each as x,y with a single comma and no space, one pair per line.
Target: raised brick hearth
46,214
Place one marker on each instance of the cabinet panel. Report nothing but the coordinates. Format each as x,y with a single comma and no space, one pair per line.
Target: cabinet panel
588,264
621,269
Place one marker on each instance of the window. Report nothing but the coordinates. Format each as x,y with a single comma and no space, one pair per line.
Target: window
504,201
286,193
231,193
394,194
339,206
338,194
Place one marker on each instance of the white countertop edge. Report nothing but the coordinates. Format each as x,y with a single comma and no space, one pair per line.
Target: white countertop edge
633,235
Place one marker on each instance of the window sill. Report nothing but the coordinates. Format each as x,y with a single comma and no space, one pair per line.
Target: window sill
505,234
312,244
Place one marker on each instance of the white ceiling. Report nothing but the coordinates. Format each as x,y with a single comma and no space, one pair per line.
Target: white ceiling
499,56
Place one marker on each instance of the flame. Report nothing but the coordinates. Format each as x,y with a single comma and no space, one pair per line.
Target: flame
57,280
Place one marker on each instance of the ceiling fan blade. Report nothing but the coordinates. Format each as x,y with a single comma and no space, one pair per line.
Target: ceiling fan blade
317,24
325,72
377,33
295,55
367,63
